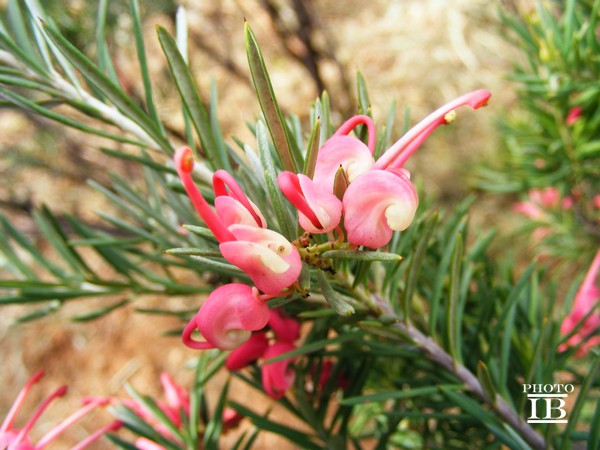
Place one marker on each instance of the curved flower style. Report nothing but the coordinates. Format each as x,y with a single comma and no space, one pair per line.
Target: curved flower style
319,210
403,149
269,259
227,317
277,377
586,299
376,204
15,439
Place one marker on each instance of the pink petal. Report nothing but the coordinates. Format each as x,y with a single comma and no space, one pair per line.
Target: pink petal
228,316
349,152
277,377
248,352
269,259
285,328
232,212
376,204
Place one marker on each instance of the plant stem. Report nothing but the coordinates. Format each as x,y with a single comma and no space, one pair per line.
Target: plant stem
432,351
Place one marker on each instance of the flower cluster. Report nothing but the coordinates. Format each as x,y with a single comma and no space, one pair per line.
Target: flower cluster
365,200
18,439
374,197
277,377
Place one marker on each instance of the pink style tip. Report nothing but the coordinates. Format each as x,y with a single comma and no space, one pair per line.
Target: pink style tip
399,153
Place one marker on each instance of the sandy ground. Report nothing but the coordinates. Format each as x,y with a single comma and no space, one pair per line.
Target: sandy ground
418,53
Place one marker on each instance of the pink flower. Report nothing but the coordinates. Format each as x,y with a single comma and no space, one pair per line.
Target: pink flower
286,329
248,352
277,377
231,419
529,209
586,299
15,439
548,197
574,114
319,209
376,204
227,317
269,259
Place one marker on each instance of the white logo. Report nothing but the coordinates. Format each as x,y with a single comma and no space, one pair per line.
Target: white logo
547,401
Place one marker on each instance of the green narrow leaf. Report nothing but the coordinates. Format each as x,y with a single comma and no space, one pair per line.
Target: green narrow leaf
282,140
483,375
452,319
416,262
317,345
588,382
51,308
108,88
19,28
215,425
56,237
364,103
362,255
426,391
30,248
313,150
335,300
284,220
188,91
105,64
141,53
221,147
300,438
93,315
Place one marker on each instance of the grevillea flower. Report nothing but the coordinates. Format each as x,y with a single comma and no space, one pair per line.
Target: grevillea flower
379,197
278,376
227,317
269,259
378,203
586,300
18,439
